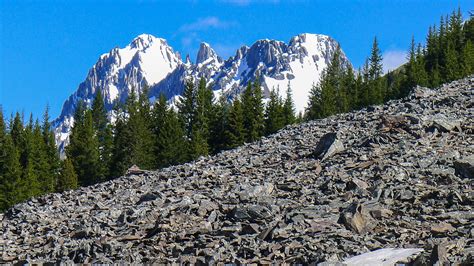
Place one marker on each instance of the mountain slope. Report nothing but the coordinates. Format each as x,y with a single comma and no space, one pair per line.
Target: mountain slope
146,60
398,175
151,61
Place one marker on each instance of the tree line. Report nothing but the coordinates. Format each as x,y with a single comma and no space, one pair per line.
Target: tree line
29,161
159,135
447,55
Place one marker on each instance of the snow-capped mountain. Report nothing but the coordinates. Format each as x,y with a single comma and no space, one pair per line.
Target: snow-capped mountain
151,61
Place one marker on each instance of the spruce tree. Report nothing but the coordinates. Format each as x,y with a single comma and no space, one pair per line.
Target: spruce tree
16,130
140,122
451,68
314,109
83,149
104,135
467,59
219,123
289,107
376,93
186,108
39,159
274,117
122,148
171,140
67,178
253,109
10,172
421,74
202,116
52,153
234,132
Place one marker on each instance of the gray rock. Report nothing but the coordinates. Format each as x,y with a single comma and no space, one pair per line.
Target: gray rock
327,146
465,167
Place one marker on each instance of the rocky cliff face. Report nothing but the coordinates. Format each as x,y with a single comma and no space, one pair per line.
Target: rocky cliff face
392,176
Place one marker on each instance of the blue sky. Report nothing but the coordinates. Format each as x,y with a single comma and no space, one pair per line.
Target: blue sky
47,47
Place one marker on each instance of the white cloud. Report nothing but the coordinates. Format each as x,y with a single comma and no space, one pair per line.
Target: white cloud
206,23
393,59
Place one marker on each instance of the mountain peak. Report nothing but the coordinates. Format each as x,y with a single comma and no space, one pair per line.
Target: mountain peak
205,52
144,40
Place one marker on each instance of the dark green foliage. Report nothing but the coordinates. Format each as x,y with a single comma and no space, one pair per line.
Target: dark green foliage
134,141
234,132
10,173
219,123
104,135
67,178
253,109
10,169
201,122
289,108
330,95
83,149
51,150
122,150
170,139
274,116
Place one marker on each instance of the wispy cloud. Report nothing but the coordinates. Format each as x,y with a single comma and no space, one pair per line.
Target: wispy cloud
226,50
393,59
191,34
205,24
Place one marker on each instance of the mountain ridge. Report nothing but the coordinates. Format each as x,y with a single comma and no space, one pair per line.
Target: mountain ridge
151,61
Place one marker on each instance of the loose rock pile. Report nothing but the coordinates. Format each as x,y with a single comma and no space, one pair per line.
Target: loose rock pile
392,176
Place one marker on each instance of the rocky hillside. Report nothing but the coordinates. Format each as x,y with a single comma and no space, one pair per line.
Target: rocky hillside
393,176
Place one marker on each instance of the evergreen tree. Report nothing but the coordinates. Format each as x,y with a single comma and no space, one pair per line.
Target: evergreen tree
314,109
421,75
40,161
289,108
122,148
234,132
67,179
83,149
10,172
365,95
376,93
253,109
411,68
451,69
140,123
219,124
467,59
29,185
51,150
104,135
258,110
171,140
202,116
274,117
16,130
186,108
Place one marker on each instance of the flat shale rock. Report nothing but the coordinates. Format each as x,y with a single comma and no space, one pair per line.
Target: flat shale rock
391,183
